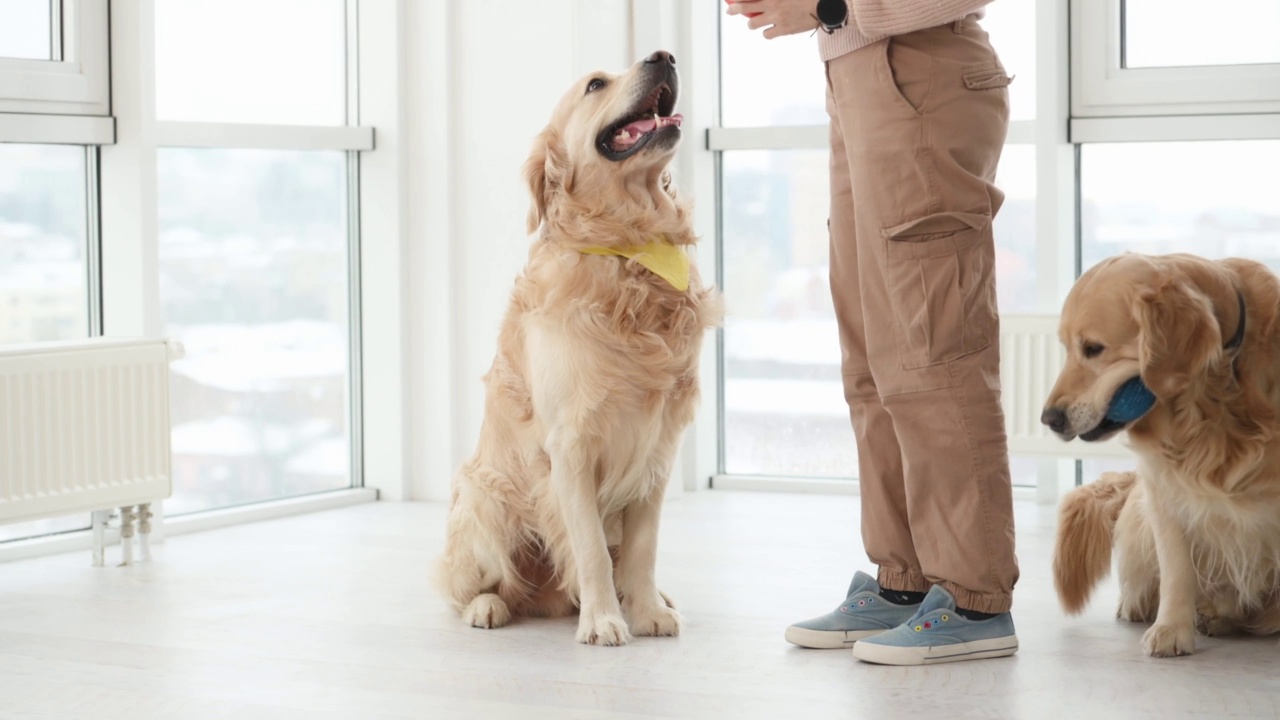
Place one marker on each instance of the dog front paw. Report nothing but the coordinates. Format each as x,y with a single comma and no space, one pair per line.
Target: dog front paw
487,611
603,629
1165,640
656,618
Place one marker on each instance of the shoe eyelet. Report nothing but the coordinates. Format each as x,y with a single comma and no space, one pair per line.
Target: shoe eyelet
862,603
918,628
928,625
945,618
871,600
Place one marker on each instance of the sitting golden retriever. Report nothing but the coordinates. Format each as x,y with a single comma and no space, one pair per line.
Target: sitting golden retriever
596,376
1197,528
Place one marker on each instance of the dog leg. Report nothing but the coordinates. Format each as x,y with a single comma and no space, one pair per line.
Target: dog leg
647,609
1174,632
475,562
1139,569
600,620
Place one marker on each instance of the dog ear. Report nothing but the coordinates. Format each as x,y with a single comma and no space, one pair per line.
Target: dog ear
545,172
1179,337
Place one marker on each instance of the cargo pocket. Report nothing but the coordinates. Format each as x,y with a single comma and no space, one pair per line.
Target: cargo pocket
987,78
940,278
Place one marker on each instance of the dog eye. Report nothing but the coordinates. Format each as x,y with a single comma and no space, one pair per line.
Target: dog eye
1092,350
595,84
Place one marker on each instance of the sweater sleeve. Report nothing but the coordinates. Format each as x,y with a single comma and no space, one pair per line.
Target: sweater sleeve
882,18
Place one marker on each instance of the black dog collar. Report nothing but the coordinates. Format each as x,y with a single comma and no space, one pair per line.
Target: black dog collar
1236,340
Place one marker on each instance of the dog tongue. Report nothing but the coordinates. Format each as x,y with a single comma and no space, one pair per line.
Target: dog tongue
630,133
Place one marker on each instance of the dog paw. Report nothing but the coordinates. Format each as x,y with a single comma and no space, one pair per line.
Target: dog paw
487,611
607,629
656,618
1169,640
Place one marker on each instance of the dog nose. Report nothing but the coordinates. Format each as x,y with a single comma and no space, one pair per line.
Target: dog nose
661,56
1055,418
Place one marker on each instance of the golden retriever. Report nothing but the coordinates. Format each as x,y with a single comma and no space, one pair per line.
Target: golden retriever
1197,527
595,378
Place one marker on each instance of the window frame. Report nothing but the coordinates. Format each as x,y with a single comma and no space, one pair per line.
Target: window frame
1103,87
75,82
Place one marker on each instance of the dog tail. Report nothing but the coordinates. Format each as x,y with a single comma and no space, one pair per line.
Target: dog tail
1082,555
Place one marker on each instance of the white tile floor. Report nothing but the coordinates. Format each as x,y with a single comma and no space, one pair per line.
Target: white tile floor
330,616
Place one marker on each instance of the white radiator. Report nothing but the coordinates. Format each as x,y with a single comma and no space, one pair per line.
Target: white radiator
84,427
1030,359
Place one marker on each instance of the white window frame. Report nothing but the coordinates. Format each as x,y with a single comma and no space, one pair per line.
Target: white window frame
130,290
75,81
1102,87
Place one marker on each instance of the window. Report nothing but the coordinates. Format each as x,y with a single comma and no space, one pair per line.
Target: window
1233,32
1204,198
288,65
257,247
53,57
1172,58
253,278
44,273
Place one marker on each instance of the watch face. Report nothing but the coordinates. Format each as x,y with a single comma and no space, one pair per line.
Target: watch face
832,12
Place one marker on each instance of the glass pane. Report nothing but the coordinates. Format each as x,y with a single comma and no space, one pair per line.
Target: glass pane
1174,33
1012,26
25,29
784,407
253,282
43,280
1015,231
251,61
769,82
1205,198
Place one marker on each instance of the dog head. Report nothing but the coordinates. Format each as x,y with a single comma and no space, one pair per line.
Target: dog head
609,141
1161,318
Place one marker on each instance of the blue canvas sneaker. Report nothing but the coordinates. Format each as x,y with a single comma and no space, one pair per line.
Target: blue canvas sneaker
862,614
937,634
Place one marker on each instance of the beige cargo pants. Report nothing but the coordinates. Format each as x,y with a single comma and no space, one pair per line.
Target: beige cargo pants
918,122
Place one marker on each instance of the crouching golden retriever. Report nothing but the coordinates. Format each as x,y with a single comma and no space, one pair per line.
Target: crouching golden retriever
1197,527
596,376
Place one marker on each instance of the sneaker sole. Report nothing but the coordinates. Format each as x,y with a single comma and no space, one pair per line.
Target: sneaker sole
827,639
976,650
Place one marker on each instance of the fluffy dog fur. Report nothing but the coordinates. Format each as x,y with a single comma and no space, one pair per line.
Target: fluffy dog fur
595,378
1197,527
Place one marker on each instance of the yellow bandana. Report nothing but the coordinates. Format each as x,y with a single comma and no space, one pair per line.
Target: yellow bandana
665,260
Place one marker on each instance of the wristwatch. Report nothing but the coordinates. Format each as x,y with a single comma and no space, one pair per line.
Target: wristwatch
833,14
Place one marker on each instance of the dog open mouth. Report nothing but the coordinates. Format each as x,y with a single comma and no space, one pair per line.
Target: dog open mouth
652,118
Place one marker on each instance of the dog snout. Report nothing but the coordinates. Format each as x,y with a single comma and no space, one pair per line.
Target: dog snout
661,56
1055,418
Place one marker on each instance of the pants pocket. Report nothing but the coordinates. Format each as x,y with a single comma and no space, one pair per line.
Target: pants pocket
941,282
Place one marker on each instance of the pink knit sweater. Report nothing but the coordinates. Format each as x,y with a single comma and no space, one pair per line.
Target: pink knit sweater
875,19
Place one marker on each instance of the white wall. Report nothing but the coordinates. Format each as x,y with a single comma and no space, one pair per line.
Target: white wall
481,79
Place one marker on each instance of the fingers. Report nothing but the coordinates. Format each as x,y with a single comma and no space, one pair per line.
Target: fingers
744,7
756,23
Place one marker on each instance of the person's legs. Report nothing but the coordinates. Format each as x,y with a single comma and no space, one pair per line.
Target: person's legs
886,533
885,530
924,118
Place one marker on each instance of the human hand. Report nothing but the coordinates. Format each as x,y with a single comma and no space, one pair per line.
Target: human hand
778,17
